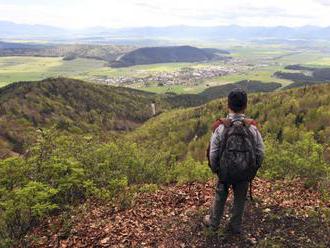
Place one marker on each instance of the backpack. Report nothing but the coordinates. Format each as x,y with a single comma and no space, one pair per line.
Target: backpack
237,153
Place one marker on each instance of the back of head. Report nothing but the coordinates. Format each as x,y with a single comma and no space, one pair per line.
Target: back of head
237,100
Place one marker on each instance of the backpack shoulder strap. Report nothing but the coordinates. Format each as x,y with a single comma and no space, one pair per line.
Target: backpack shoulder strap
250,122
247,123
221,121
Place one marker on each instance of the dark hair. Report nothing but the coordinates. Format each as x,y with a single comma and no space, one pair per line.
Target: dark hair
237,100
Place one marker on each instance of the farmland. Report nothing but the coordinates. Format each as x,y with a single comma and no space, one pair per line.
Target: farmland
249,62
13,69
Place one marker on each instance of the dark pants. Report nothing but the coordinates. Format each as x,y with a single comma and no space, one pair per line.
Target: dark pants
221,194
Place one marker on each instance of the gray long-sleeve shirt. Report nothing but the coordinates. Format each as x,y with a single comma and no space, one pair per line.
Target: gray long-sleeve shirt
218,134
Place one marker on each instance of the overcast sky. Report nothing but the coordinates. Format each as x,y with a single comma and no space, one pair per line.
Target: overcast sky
132,13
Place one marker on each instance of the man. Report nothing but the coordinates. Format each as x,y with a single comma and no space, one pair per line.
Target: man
235,154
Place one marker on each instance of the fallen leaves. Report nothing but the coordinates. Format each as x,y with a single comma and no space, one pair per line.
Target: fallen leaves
171,218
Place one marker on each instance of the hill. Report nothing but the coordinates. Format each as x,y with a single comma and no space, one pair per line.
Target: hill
78,107
225,32
215,92
249,86
75,106
282,115
10,29
70,105
304,75
14,30
68,51
153,55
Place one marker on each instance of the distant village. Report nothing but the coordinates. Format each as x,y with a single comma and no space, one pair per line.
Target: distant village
186,76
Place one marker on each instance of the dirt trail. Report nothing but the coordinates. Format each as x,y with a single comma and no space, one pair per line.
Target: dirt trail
284,214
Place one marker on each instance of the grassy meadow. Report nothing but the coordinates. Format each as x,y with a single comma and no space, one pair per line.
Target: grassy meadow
14,69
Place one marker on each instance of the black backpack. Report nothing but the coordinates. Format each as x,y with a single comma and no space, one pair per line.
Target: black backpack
237,153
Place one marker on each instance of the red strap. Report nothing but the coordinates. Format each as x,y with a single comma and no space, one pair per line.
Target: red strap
223,121
216,124
252,122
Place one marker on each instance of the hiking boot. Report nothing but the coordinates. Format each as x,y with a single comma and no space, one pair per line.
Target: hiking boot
208,223
233,230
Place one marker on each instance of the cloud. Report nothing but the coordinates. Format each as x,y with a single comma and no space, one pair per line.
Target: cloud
324,2
128,13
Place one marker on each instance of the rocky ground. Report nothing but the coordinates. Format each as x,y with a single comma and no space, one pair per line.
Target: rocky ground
283,214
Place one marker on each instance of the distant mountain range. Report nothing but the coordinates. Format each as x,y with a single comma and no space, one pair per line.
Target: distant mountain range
13,30
10,29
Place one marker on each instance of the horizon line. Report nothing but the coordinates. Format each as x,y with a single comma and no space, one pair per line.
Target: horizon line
169,26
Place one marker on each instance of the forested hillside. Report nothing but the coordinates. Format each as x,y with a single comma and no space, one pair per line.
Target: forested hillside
248,85
79,107
72,106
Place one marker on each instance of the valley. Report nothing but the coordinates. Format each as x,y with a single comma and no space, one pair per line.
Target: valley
77,107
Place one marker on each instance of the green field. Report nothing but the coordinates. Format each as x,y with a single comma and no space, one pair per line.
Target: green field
144,70
320,62
13,69
264,74
137,71
178,89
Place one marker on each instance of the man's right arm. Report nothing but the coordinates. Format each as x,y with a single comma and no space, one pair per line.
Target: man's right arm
215,148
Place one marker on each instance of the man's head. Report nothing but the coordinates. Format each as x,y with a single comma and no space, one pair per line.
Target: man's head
237,100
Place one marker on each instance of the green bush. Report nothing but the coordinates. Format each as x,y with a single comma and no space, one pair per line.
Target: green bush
303,158
190,170
61,170
13,173
23,206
